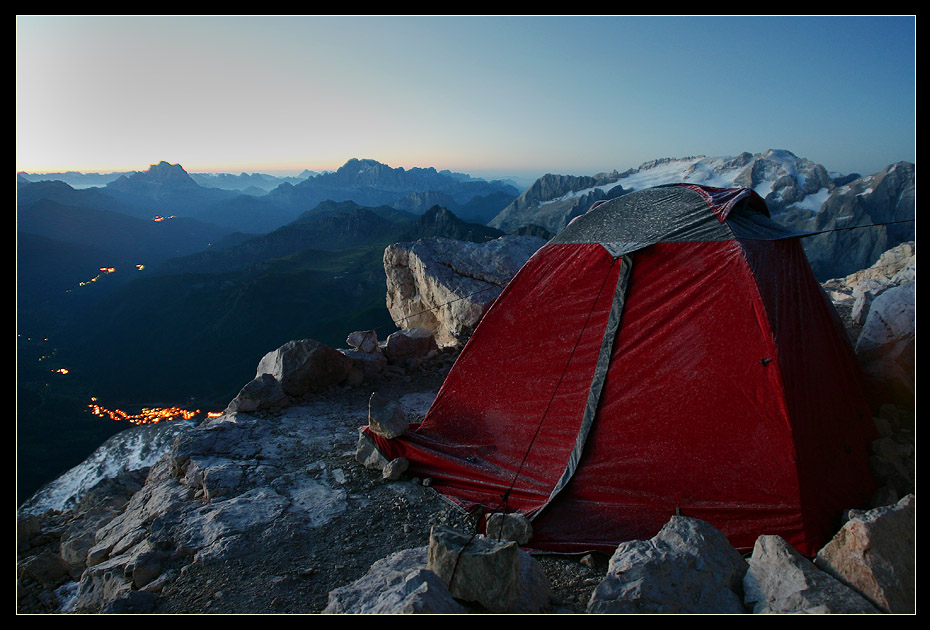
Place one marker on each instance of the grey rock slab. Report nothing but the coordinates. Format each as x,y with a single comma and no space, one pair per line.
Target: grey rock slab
875,553
304,366
399,583
780,580
386,416
688,567
207,524
315,502
475,568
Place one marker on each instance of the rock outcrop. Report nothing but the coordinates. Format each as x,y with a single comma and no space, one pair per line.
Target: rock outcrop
554,200
780,580
305,366
887,346
688,567
885,200
879,305
875,554
496,575
400,583
446,286
800,195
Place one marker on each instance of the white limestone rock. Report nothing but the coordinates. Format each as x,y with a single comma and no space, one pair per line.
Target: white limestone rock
445,286
688,567
875,553
780,580
398,584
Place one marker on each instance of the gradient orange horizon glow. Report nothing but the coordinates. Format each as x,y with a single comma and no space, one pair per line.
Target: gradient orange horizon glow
489,170
508,94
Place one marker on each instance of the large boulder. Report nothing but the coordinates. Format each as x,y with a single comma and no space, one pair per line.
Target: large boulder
363,340
688,567
875,553
410,343
496,575
398,584
894,267
887,346
262,392
445,286
513,526
366,366
305,366
780,580
368,454
386,416
878,305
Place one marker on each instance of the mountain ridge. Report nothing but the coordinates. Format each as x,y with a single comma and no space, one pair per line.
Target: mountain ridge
796,191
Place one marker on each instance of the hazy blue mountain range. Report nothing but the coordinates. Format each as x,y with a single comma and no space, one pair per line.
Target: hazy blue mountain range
333,226
249,203
370,183
75,179
479,209
167,190
62,250
137,240
309,278
249,183
60,192
189,330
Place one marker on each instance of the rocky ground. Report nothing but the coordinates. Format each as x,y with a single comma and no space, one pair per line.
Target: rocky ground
290,566
287,570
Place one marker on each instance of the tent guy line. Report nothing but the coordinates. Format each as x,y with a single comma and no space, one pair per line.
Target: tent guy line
545,413
855,227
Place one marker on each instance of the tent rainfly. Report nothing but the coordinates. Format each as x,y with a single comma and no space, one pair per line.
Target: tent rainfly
669,352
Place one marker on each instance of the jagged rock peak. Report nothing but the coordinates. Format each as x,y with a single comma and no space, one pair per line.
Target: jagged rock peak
166,172
667,160
551,186
163,175
368,168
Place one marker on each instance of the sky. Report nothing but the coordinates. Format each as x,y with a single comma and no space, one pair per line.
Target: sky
490,96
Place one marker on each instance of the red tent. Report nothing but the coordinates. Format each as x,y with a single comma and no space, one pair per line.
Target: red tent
670,351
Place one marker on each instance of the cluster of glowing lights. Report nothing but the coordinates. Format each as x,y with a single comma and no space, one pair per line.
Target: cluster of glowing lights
148,415
104,271
158,218
61,371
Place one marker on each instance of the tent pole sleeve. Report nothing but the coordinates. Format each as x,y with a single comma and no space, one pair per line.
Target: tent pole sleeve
597,382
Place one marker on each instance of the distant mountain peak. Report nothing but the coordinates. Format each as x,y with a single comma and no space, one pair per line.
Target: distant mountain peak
161,176
165,171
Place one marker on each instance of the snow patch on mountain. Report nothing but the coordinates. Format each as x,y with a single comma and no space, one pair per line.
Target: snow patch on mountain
778,176
578,194
814,202
707,171
133,449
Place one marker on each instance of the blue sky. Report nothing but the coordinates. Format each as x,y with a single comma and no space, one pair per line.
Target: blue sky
490,96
